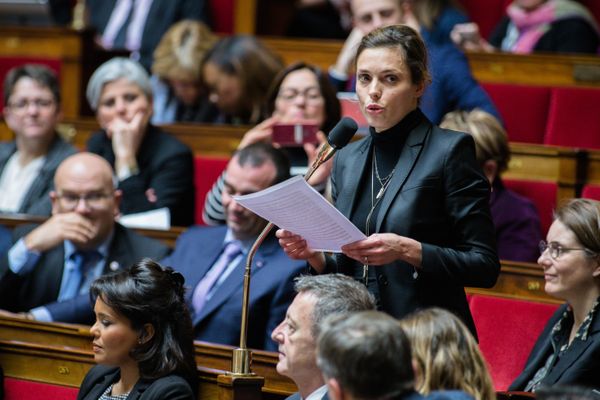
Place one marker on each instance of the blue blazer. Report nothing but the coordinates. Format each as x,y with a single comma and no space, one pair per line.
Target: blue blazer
271,289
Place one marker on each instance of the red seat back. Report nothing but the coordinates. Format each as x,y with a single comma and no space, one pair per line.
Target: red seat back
486,14
573,118
507,330
221,13
7,63
542,193
591,191
524,110
206,173
19,389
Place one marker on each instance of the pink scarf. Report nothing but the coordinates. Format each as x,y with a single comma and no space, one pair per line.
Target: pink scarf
533,25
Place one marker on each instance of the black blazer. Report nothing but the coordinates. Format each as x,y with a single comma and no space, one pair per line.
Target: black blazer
439,197
579,365
100,377
162,14
166,165
42,286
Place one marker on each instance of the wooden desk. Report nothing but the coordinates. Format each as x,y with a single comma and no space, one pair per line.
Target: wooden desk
531,69
518,280
47,340
75,51
169,237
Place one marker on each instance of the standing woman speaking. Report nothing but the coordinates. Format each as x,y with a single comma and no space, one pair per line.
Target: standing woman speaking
414,189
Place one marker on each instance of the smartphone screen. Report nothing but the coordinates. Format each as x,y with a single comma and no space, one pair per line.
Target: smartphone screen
289,135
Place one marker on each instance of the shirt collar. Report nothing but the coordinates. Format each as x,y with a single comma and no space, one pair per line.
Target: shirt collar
317,394
244,244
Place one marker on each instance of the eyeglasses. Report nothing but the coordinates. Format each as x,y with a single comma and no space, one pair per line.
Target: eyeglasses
96,201
312,95
556,250
23,104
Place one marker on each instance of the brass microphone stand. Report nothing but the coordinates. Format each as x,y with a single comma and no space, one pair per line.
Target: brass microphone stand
242,356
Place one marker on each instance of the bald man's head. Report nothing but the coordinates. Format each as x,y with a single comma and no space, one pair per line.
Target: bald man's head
84,184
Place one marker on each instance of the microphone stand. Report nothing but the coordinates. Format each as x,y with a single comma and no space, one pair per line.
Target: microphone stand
242,357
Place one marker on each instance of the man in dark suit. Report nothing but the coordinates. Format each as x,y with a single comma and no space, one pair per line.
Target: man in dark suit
47,273
138,25
367,356
27,164
212,260
318,297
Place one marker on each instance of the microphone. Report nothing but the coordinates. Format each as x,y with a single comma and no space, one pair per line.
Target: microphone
339,136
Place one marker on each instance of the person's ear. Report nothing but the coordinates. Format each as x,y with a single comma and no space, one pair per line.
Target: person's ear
596,271
335,390
118,196
54,202
490,169
146,333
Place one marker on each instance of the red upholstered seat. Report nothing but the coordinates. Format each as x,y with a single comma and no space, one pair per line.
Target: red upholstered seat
524,110
542,193
591,191
206,172
19,389
487,14
507,330
593,6
573,118
221,13
7,63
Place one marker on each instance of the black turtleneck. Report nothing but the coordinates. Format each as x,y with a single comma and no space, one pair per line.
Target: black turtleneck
388,145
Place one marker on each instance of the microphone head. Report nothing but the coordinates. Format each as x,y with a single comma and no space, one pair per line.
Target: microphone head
342,132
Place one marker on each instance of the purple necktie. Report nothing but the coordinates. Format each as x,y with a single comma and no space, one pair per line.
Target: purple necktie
232,250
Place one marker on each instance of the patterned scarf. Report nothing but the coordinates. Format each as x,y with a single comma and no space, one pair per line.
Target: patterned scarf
533,25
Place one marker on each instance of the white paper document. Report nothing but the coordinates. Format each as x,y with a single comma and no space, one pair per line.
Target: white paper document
153,219
295,206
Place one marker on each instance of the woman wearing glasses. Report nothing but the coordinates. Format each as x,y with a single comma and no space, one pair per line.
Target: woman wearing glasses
299,94
568,350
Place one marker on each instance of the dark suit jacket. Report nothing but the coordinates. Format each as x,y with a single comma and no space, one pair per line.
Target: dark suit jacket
42,286
271,290
166,165
100,377
579,365
439,197
162,14
37,200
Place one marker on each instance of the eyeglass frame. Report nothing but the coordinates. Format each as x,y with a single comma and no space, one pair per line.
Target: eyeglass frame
304,93
92,200
22,105
557,248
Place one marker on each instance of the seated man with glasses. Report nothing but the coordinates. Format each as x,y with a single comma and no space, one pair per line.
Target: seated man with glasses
47,273
27,164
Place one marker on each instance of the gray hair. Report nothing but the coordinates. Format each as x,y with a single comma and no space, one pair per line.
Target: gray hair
115,69
372,341
335,294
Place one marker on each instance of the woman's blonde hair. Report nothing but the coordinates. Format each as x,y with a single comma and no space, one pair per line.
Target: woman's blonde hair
181,50
447,355
491,142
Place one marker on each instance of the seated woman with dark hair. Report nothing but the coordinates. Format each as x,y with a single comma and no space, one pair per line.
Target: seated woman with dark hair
238,71
300,93
143,337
